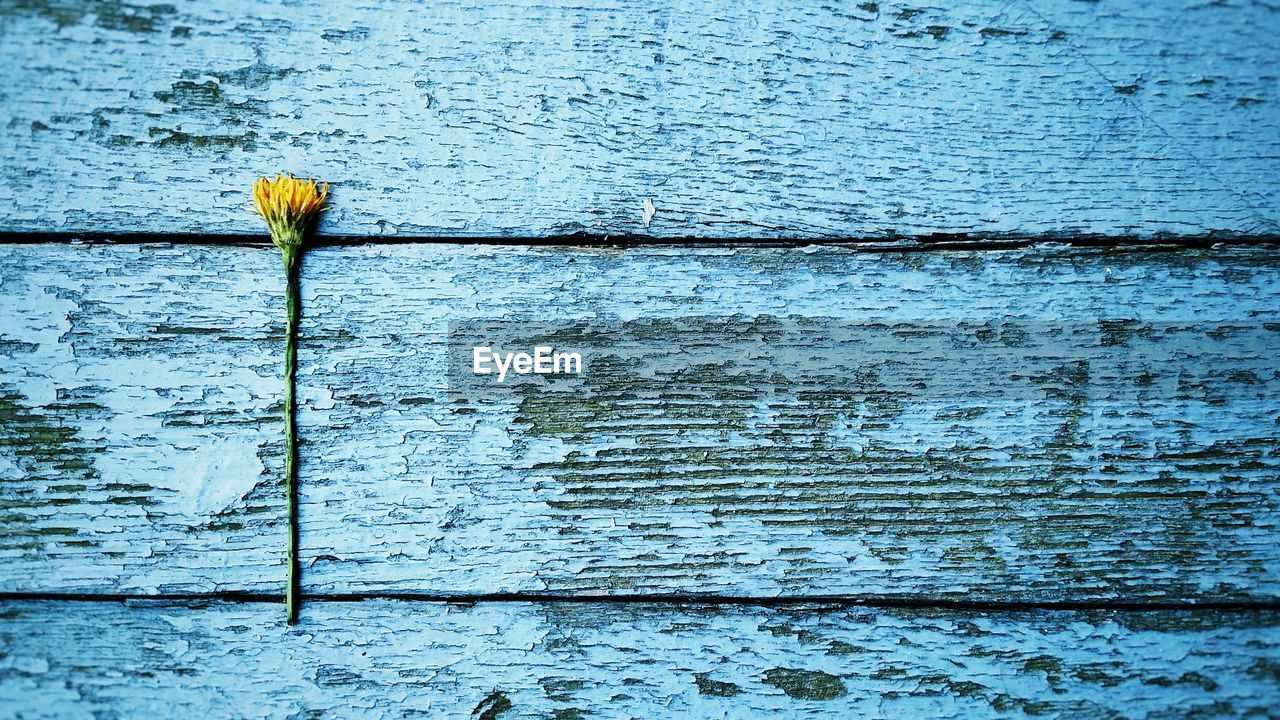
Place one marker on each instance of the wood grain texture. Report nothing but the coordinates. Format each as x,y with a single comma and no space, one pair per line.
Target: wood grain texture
139,419
141,430
718,482
386,659
514,119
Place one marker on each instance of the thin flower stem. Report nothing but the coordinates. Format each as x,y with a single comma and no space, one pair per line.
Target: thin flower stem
290,207
293,305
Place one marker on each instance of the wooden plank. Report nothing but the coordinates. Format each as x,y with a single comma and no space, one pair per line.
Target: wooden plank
498,119
397,659
140,419
718,483
141,455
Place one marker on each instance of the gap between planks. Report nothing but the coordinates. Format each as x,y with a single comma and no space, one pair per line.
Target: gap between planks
811,601
894,243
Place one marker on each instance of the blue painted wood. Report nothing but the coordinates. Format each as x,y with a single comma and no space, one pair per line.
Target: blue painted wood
697,471
140,427
137,449
380,659
532,119
140,424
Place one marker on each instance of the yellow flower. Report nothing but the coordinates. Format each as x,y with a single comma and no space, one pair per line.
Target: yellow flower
288,204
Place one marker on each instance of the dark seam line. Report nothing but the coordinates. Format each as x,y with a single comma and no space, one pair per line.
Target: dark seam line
939,241
888,603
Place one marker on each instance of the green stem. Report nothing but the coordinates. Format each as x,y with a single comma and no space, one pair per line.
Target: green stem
293,305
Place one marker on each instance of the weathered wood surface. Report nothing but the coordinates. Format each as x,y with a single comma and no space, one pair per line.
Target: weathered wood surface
393,659
140,419
140,446
725,483
493,119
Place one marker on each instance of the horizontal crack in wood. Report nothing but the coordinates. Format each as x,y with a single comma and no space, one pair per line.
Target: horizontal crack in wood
671,599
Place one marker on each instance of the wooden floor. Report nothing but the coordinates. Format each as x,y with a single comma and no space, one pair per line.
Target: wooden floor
382,658
999,439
